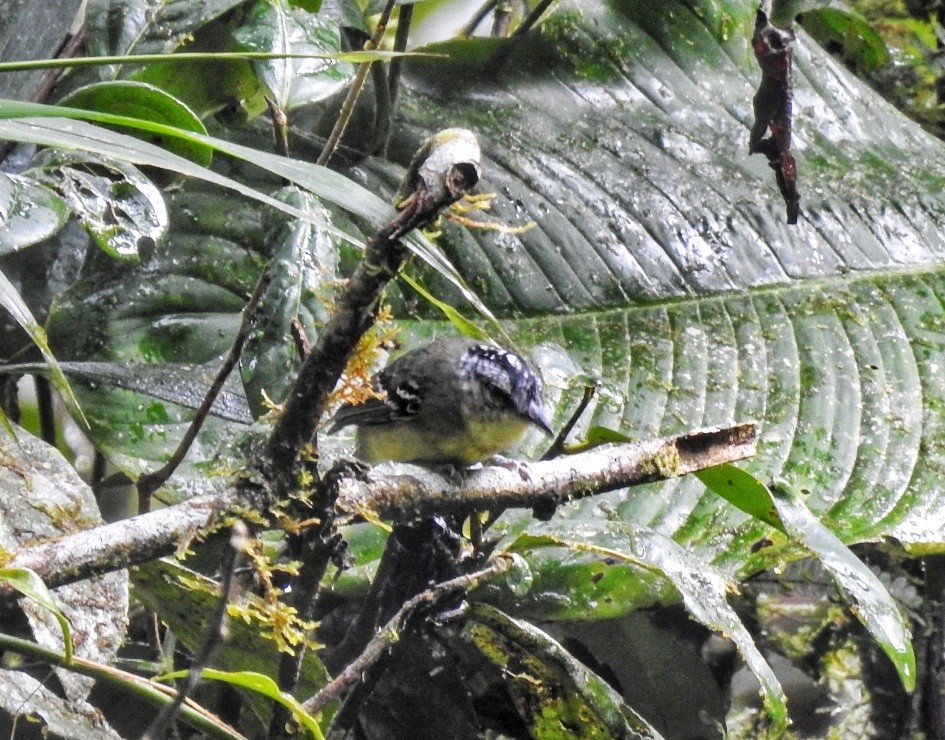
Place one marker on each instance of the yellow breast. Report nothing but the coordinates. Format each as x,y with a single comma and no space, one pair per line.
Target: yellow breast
405,443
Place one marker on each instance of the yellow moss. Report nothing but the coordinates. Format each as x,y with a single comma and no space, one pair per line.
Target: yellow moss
481,202
308,453
473,223
664,463
474,202
295,527
277,621
273,409
355,386
306,481
371,517
67,517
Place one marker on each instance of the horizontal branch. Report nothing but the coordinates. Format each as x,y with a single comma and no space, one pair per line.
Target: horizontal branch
398,498
402,498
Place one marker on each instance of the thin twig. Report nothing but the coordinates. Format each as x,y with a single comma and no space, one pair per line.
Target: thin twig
499,56
280,127
545,510
216,634
470,28
404,19
557,447
389,634
68,49
44,406
143,689
149,482
532,18
347,108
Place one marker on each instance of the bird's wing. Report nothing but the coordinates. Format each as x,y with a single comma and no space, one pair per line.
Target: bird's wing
370,412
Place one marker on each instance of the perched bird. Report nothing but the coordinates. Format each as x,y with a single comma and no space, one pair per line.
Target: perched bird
451,402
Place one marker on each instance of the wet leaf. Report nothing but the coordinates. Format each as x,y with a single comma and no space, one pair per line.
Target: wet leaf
120,208
556,695
29,213
146,102
743,491
279,28
643,190
303,278
602,544
875,608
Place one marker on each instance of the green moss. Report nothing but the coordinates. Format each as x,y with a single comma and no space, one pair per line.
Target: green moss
665,463
589,58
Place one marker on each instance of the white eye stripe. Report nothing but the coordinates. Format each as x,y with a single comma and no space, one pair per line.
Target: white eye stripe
406,392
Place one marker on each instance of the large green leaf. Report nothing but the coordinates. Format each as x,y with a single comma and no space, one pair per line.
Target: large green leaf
556,695
182,306
148,26
279,28
29,212
302,277
621,130
620,127
140,100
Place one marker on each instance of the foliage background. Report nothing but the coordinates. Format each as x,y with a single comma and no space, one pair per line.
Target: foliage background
660,264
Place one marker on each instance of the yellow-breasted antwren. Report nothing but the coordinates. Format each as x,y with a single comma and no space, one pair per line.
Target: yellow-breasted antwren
451,402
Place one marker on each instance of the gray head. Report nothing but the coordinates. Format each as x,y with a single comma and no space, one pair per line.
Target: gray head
506,382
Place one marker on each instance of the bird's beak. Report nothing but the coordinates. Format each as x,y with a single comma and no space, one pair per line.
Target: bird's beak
537,416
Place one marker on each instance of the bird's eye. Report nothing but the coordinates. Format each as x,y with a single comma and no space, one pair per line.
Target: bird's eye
500,396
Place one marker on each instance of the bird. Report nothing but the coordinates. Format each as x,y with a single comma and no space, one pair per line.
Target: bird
449,403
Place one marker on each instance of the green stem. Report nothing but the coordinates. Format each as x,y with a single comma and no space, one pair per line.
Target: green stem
154,694
354,57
